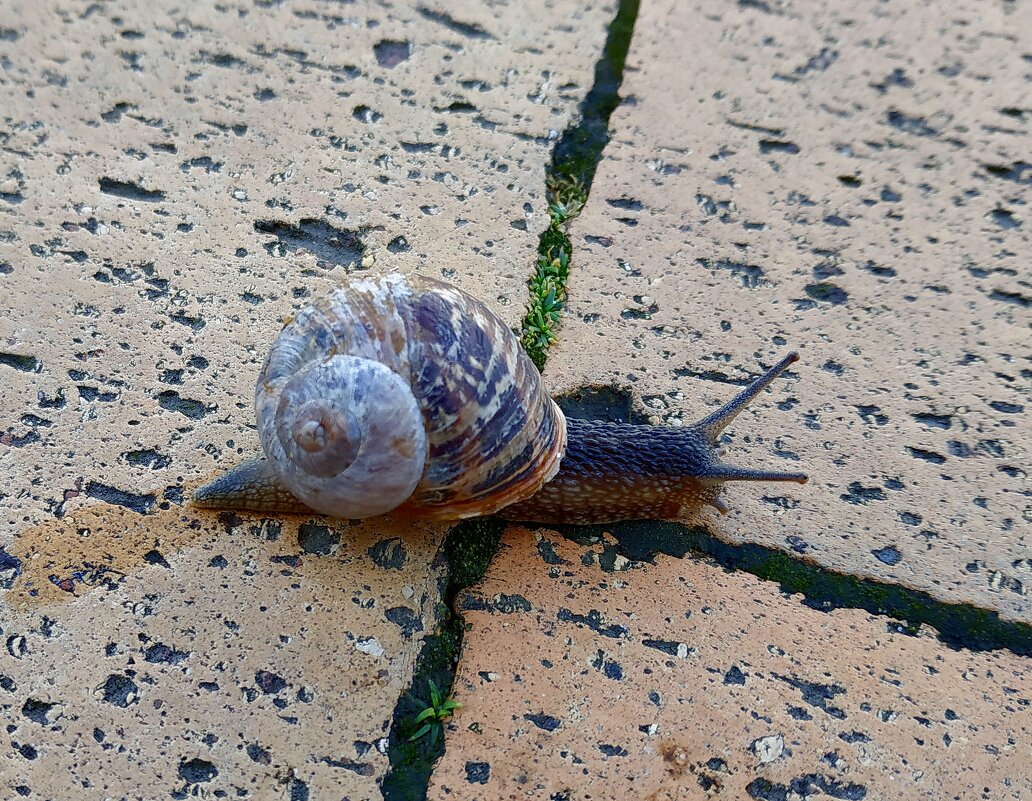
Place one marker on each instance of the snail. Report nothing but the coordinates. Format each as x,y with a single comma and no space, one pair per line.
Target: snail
403,394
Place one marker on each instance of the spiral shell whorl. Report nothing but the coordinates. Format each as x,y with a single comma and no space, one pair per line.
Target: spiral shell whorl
346,436
464,424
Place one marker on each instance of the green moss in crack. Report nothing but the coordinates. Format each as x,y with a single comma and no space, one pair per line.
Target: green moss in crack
566,197
467,551
574,163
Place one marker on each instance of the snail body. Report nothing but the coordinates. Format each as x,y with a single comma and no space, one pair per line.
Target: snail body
403,394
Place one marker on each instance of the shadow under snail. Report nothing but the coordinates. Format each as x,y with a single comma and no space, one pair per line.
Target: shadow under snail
404,394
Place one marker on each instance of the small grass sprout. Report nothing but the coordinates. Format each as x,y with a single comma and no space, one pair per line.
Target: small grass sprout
432,718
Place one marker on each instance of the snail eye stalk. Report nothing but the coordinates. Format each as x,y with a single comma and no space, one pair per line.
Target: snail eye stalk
712,425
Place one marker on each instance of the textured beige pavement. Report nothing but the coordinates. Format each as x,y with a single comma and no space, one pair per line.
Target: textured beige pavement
256,660
175,179
849,180
680,680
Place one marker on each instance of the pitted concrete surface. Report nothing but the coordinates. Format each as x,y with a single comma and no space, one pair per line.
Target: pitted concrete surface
850,180
248,659
680,680
175,179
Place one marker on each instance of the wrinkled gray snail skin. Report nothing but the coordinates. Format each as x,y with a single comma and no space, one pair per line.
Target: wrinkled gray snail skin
404,394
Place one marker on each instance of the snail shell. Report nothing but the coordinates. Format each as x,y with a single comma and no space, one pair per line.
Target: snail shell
404,393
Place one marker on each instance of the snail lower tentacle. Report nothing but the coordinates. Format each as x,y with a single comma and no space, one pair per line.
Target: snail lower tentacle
406,395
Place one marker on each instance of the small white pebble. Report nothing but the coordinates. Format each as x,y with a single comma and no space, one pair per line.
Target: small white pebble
371,646
769,748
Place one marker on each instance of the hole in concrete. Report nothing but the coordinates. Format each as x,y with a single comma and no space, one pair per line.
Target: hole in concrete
608,403
330,245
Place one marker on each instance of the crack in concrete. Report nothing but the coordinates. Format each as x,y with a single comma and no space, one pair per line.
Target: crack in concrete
579,150
467,552
470,546
959,625
568,185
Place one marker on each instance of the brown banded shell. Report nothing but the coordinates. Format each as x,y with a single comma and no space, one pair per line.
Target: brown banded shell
404,393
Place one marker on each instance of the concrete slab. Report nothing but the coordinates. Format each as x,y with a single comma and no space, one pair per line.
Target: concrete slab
175,179
241,658
680,680
848,180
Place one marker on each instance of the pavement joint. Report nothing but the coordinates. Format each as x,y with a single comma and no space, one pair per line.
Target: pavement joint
960,626
568,184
